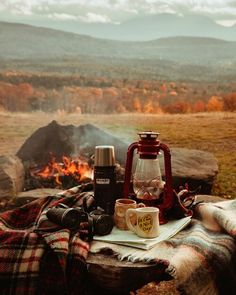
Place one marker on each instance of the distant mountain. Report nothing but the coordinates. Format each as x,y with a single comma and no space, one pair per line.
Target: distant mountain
150,27
171,25
28,42
25,41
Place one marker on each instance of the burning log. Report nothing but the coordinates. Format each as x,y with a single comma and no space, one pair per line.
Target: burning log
65,174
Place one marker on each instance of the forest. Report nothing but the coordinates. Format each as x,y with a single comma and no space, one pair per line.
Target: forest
27,92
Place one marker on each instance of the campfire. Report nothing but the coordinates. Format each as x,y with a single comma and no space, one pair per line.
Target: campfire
61,174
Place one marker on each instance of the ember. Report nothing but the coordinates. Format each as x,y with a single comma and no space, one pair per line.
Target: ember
63,174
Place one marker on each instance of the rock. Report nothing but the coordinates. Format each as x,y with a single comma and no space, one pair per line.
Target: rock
209,199
194,167
53,138
67,140
11,176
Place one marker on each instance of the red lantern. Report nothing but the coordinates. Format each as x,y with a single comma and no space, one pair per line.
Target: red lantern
145,181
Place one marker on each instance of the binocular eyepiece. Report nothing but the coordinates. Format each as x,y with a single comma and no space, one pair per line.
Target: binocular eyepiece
65,216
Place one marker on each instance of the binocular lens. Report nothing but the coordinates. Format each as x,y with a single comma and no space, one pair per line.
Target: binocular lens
103,225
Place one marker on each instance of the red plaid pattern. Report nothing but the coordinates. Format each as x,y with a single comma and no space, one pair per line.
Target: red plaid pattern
40,262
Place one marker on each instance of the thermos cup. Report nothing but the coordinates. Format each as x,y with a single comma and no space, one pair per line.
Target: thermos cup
105,178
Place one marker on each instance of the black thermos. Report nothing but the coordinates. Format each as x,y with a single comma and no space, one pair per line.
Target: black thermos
105,178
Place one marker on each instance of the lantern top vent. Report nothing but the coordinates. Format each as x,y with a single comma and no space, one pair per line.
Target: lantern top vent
148,135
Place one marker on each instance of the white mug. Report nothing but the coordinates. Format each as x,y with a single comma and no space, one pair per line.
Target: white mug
147,221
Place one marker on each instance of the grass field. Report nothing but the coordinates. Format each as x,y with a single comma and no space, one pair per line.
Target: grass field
213,132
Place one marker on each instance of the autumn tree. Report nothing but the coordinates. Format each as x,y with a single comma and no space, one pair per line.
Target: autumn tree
229,101
215,104
163,88
178,107
137,107
199,106
36,101
148,107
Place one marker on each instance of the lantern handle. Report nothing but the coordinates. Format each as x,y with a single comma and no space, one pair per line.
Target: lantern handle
168,201
128,168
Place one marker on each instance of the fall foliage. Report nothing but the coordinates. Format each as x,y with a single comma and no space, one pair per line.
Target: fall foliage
215,104
30,92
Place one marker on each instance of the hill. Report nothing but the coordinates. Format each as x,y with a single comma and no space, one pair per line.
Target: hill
177,57
149,27
24,41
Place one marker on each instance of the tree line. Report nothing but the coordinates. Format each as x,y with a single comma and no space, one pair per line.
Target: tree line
26,93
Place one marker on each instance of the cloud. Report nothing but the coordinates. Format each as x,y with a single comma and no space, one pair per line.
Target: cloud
106,10
227,23
95,18
62,16
88,18
18,6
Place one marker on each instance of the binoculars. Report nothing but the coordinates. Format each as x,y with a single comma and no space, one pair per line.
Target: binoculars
98,222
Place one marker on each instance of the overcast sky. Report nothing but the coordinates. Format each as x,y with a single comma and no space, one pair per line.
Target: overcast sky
112,11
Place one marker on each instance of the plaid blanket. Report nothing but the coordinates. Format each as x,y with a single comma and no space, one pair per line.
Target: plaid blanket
204,259
201,258
38,257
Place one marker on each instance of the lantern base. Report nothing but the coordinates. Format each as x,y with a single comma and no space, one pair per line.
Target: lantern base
162,218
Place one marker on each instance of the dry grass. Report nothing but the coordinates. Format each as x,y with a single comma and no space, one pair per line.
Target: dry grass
213,132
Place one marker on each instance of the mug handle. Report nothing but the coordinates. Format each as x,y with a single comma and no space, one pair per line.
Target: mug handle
141,205
129,212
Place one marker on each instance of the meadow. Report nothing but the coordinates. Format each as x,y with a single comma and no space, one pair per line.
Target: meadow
212,132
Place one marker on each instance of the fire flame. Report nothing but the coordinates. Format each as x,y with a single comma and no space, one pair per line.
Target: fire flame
77,168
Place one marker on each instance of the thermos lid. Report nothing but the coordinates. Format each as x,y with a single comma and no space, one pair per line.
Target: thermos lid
104,155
